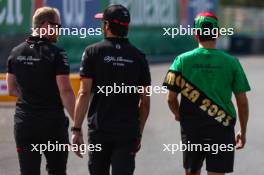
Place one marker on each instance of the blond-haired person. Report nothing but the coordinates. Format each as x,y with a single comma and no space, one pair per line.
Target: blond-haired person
38,75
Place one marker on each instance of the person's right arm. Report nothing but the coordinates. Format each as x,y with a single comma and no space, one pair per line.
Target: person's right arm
66,93
144,106
240,87
144,102
63,82
243,113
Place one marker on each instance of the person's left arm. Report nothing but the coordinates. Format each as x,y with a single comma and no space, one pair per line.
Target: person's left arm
173,104
87,74
10,76
174,90
11,84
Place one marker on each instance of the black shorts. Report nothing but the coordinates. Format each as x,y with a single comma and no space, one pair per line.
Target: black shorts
218,152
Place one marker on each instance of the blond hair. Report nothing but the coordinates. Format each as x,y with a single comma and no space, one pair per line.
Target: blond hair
44,14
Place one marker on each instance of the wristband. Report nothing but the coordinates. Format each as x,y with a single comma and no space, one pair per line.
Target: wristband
75,129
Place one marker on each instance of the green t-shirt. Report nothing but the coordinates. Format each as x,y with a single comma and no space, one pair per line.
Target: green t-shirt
207,78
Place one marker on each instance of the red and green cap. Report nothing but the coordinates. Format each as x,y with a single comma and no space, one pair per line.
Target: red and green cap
206,17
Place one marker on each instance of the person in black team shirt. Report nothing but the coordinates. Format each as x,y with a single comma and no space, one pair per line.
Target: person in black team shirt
38,74
115,120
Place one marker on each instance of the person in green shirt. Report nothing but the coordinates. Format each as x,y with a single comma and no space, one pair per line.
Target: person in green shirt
206,78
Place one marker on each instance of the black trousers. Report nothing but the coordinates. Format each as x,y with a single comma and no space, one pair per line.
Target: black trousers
119,153
49,133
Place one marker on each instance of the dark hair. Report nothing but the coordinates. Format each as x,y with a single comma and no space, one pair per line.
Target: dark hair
203,32
118,29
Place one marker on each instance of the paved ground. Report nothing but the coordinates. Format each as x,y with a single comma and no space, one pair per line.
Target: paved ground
160,129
